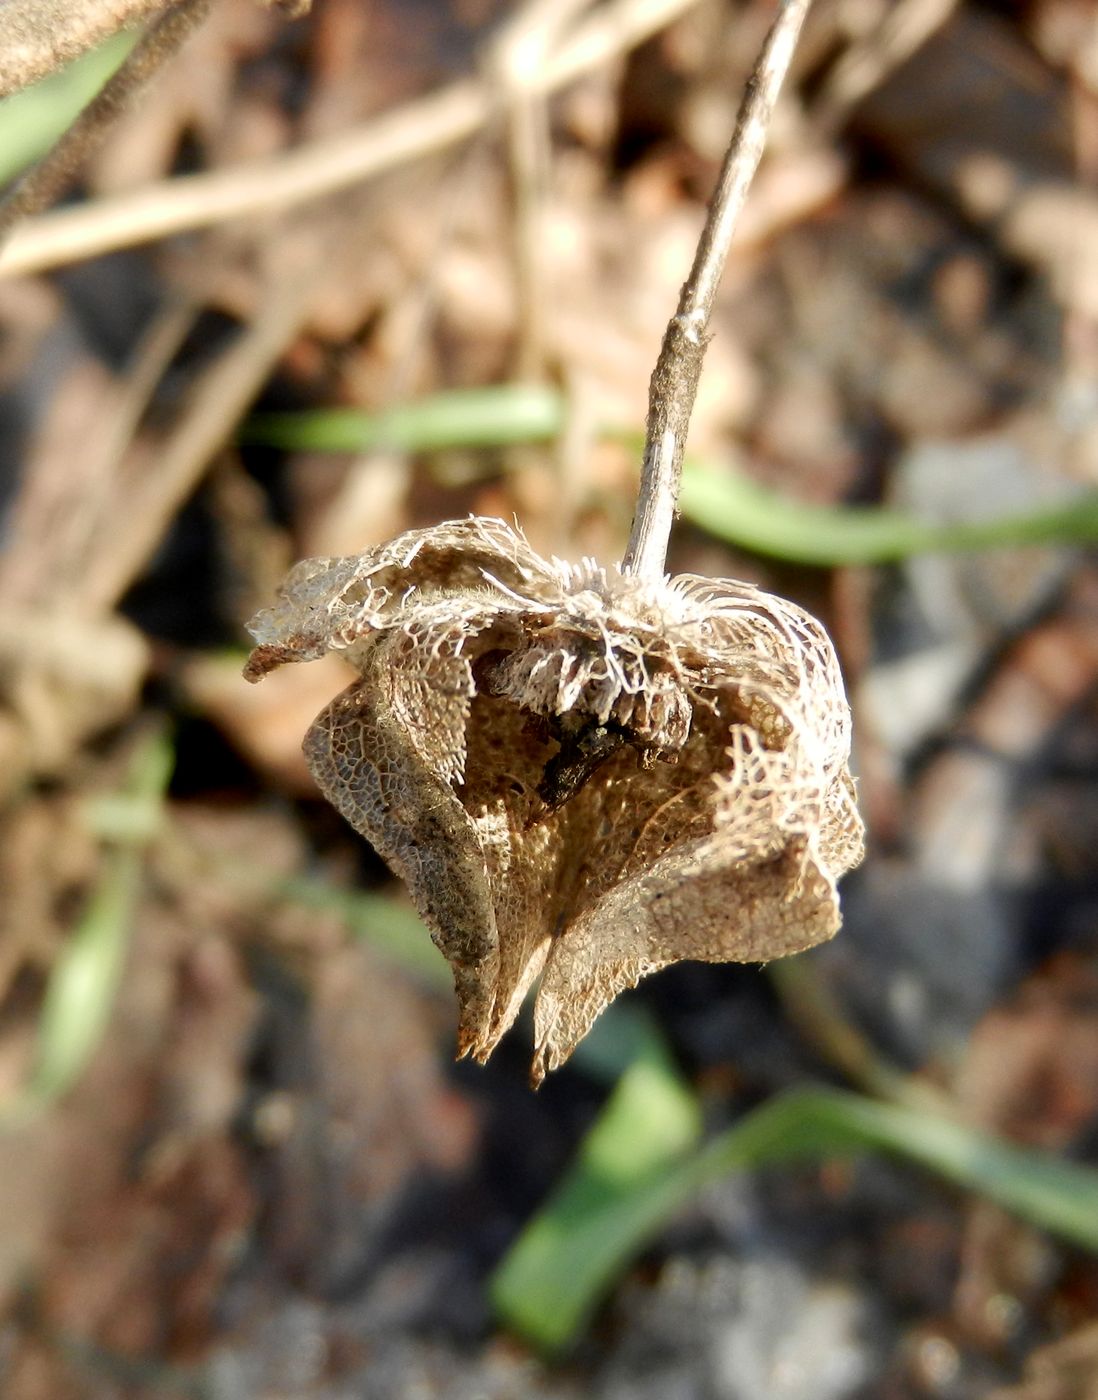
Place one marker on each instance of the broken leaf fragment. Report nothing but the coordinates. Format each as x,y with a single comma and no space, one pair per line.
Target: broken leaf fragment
582,775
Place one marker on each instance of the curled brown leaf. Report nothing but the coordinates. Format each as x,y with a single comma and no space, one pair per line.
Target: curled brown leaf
583,775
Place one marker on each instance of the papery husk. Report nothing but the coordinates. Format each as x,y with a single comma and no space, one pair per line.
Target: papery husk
583,776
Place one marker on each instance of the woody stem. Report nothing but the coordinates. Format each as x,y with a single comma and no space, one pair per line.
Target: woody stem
674,384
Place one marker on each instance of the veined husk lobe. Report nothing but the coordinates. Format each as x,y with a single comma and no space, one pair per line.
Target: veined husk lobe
582,776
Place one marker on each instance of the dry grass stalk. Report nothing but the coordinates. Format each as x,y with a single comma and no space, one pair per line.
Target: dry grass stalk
674,383
426,126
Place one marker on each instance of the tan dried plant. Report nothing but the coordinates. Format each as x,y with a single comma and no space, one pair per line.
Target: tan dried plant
585,773
582,774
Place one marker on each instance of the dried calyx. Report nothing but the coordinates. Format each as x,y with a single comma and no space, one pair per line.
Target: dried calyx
583,775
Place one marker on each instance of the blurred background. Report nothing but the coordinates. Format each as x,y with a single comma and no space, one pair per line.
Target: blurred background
342,272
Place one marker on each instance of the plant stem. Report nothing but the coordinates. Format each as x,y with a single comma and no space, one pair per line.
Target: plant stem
424,126
674,383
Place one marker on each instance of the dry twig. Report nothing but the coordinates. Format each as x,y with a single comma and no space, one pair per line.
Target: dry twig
426,126
868,62
217,402
520,51
674,383
61,520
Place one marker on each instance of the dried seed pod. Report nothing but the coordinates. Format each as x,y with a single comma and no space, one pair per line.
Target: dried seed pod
583,775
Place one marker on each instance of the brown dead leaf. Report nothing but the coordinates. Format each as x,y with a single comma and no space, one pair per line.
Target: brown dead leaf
583,775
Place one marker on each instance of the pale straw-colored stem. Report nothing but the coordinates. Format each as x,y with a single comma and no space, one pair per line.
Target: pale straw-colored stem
423,127
674,383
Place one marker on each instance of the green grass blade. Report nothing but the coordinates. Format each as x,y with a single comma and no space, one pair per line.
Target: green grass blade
81,990
743,513
1057,1195
725,503
607,1205
32,121
577,1244
498,416
83,982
